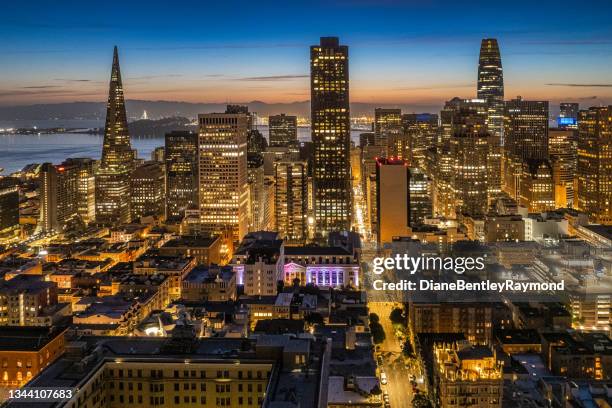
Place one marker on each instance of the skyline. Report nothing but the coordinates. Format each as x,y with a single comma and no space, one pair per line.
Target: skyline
420,61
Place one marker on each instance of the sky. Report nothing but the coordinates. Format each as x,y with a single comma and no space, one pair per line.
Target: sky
409,52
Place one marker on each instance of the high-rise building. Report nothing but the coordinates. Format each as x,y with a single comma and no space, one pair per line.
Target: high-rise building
86,187
148,190
491,86
536,186
181,156
257,192
392,199
113,177
291,203
283,129
224,192
526,128
420,132
594,164
58,196
470,156
9,203
420,204
387,124
329,108
158,154
562,150
568,115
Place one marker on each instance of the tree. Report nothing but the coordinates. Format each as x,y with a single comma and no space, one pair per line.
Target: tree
397,316
374,318
420,401
407,349
378,333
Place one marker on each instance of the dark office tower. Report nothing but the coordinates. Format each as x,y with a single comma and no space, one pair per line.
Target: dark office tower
526,128
58,196
366,139
331,126
420,133
86,187
568,115
283,129
256,142
9,203
148,190
594,167
491,85
113,177
181,155
387,125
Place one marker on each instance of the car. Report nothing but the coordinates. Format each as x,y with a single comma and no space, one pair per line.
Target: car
383,378
386,397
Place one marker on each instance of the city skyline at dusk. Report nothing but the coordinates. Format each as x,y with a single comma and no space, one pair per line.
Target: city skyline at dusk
419,54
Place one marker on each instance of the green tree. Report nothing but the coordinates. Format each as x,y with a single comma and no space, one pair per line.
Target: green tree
421,401
397,316
374,318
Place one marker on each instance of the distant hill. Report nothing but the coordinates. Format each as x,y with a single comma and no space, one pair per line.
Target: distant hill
162,109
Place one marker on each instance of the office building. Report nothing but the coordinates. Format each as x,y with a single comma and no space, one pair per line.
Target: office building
469,150
594,164
258,263
329,108
421,206
491,86
526,129
9,203
419,134
224,191
568,115
86,187
291,206
58,196
392,199
113,176
387,124
562,151
257,201
537,188
148,193
181,158
283,129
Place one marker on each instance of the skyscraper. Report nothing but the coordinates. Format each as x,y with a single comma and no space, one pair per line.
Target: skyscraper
469,149
86,187
329,108
568,115
113,177
491,85
257,192
9,203
148,190
526,128
181,155
392,199
224,192
594,166
290,198
58,196
421,206
387,125
283,129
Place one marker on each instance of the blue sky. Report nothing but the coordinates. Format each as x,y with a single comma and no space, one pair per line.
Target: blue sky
420,53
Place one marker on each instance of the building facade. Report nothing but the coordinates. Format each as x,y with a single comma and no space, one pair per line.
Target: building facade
181,158
330,118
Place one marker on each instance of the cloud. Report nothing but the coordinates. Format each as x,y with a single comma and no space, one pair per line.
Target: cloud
157,76
274,77
74,80
581,85
40,87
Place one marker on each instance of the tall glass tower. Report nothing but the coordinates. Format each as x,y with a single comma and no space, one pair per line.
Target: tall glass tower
116,165
331,127
491,89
